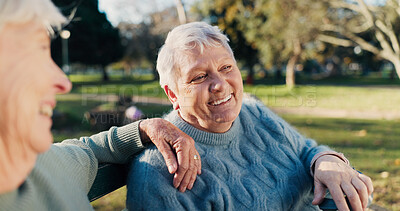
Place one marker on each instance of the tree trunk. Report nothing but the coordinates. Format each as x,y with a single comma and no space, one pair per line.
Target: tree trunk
290,74
105,75
127,70
181,11
250,76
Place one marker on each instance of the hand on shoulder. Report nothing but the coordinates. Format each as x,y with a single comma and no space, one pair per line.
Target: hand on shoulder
177,148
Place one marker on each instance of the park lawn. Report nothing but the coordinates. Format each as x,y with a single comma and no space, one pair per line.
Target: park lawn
350,98
363,97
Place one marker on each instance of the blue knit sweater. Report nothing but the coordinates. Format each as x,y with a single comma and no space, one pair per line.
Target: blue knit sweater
261,163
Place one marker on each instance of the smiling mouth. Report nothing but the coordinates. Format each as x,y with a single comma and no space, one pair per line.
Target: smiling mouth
219,102
46,110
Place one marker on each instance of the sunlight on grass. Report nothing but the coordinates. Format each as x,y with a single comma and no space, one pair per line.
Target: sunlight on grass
328,97
112,201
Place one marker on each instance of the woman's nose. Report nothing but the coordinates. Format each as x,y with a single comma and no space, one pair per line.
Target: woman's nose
61,82
218,84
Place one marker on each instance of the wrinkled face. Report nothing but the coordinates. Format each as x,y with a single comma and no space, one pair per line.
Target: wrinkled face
209,89
29,82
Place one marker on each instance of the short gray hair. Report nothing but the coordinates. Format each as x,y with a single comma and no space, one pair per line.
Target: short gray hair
23,11
182,38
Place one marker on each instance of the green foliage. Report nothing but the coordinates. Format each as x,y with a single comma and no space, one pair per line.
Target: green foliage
278,30
269,26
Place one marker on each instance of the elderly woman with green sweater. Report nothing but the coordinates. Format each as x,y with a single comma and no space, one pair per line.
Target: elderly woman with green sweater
34,174
251,158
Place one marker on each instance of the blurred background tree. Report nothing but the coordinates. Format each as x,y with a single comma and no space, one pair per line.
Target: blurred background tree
370,27
278,30
93,40
142,41
223,14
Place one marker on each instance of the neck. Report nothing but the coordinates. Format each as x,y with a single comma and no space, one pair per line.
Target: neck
15,167
207,127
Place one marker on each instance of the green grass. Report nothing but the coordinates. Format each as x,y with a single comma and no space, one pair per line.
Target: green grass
366,95
372,146
328,97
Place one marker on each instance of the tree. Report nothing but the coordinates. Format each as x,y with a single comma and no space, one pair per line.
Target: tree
181,11
93,41
222,16
349,21
143,41
279,30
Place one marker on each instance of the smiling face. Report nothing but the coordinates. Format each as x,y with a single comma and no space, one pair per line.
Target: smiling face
209,89
29,82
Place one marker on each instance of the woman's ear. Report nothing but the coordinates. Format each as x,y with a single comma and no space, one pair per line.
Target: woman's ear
172,97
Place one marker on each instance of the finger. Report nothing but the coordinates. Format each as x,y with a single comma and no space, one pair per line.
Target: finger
319,193
368,182
361,189
183,156
352,196
338,197
192,180
198,163
188,175
169,156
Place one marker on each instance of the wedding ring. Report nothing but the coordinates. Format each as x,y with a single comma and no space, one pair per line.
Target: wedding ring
196,157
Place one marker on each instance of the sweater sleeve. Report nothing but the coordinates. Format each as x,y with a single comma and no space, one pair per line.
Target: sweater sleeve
305,148
116,145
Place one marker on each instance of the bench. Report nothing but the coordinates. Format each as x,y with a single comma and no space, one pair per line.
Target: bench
110,177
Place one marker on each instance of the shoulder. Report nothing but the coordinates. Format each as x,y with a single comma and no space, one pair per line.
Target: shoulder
72,151
71,157
148,175
53,183
254,108
255,114
68,160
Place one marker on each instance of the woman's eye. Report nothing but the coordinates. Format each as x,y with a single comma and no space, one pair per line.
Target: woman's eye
226,68
198,78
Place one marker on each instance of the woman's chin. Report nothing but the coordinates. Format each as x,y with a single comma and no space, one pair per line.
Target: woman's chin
41,142
225,117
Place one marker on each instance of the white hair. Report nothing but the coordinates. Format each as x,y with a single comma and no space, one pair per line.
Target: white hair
23,11
183,38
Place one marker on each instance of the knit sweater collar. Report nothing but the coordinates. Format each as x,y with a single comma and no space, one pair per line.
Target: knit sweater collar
204,137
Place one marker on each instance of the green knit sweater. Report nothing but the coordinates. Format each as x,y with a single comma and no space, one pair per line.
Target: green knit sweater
63,175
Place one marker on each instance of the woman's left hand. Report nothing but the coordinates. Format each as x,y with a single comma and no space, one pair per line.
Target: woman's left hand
332,173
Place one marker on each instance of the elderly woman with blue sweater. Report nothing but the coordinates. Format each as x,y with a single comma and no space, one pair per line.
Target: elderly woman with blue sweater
251,158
